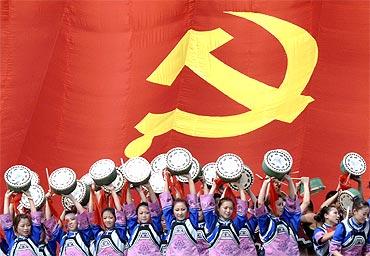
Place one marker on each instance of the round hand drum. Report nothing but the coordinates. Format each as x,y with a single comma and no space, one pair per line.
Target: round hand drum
194,172
276,163
37,194
209,173
118,183
156,181
159,163
63,181
353,163
81,194
179,161
347,197
316,185
18,178
35,179
246,180
103,172
229,167
137,171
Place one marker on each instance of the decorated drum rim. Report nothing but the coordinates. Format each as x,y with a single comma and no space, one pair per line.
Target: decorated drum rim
194,175
35,179
24,182
320,186
121,182
246,169
346,166
82,190
66,186
185,165
352,193
38,199
158,162
132,165
206,169
102,169
285,155
86,178
153,181
221,170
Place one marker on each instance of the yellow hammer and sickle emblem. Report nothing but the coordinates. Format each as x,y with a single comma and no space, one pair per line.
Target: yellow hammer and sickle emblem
266,103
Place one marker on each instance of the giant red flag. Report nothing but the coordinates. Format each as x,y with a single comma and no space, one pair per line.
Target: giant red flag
85,80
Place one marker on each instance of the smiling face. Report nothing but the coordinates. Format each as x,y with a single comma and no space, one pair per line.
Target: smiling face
332,217
361,214
24,227
71,221
180,210
143,215
108,219
279,204
226,209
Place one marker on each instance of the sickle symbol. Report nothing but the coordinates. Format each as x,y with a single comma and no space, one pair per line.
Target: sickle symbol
266,103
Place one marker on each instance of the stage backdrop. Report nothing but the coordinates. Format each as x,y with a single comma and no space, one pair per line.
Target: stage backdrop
85,80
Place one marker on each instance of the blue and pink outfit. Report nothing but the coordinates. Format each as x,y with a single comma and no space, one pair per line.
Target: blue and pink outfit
246,236
19,245
182,236
321,248
144,239
222,235
3,247
202,243
110,242
279,234
351,238
74,243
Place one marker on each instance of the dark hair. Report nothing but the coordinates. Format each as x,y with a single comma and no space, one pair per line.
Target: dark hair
330,194
20,217
320,217
73,210
109,209
310,206
225,199
359,203
180,200
141,204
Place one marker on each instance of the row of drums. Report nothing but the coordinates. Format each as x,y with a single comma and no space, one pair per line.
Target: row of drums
179,161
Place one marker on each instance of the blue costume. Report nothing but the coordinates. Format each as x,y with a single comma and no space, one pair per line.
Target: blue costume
351,238
279,234
144,239
246,236
111,242
72,242
222,235
182,236
3,247
321,248
19,245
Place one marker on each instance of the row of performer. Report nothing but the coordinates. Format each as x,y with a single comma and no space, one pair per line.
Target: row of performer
212,220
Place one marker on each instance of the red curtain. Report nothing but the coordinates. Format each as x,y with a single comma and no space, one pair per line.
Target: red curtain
73,81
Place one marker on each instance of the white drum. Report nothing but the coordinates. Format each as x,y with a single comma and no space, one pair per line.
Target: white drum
63,181
103,172
246,180
159,163
277,163
118,183
137,171
37,194
229,167
194,172
209,173
81,194
354,164
179,161
18,178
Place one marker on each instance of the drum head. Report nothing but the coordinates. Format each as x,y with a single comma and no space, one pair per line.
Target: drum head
179,160
62,179
209,173
156,181
79,194
347,197
137,170
18,176
194,172
246,179
87,179
102,168
278,160
118,183
159,163
37,194
35,179
229,167
354,164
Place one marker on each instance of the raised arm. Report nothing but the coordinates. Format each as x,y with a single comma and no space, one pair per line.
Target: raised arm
253,197
306,193
141,194
291,187
262,194
192,189
79,207
48,213
115,197
7,196
128,195
153,197
330,200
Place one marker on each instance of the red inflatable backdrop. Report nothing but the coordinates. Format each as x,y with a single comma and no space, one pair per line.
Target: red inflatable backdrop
75,82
